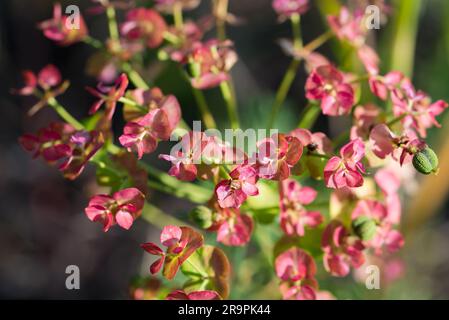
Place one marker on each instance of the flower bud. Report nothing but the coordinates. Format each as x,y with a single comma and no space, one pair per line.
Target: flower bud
202,216
426,161
364,228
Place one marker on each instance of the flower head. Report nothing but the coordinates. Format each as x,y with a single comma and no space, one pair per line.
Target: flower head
341,250
109,95
210,63
143,134
234,228
59,29
349,26
384,235
233,192
277,155
294,216
122,208
62,145
345,171
144,24
181,242
296,269
168,5
328,85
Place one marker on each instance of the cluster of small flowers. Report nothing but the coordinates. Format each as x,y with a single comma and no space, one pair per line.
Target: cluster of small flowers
152,117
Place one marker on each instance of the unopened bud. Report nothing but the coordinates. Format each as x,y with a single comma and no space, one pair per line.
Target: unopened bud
364,227
426,161
202,216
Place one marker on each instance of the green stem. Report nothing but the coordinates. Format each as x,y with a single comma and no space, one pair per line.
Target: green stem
231,104
177,15
309,116
134,76
112,23
180,189
290,74
157,217
208,119
63,113
221,12
93,42
396,120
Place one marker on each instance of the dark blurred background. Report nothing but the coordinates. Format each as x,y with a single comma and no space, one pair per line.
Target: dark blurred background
43,228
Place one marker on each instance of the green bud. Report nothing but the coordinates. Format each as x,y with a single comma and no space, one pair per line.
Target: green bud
364,227
426,161
202,216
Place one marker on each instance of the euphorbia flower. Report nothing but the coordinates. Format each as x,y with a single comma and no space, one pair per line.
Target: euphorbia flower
143,135
345,171
349,26
62,145
242,183
341,250
109,95
194,295
123,207
328,85
145,24
382,86
277,155
210,63
181,242
294,216
365,117
59,29
287,8
48,79
384,142
385,234
235,228
296,269
317,142
419,111
185,158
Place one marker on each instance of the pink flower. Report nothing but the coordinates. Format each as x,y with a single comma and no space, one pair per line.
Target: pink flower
242,183
109,95
345,171
317,142
210,63
349,26
48,79
143,135
382,86
277,155
294,216
384,143
420,113
62,145
288,8
341,251
58,28
235,228
369,58
194,295
181,242
297,270
328,85
123,207
385,234
145,24
185,158
365,117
